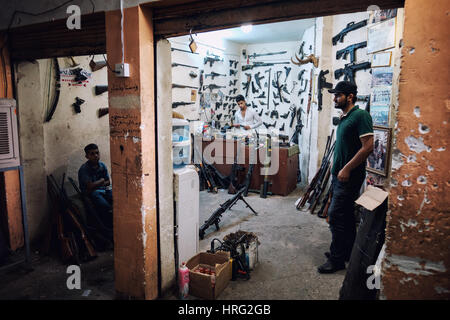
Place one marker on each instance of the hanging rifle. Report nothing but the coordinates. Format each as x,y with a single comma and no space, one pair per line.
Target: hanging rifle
212,86
261,64
175,64
211,60
268,90
322,84
350,49
187,51
235,63
176,104
214,74
349,71
350,27
266,54
258,79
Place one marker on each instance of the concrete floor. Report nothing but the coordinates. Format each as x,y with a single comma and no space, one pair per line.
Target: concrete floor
292,245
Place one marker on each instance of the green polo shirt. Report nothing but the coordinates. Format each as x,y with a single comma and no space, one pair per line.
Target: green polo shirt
355,124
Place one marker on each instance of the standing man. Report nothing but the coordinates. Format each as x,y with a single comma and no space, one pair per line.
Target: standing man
95,183
354,143
246,118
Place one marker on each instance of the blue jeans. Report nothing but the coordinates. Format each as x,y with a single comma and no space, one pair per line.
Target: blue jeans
102,200
342,218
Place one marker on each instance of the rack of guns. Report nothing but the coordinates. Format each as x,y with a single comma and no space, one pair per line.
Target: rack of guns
217,214
320,180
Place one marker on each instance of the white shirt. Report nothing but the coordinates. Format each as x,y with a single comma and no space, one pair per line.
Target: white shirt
251,118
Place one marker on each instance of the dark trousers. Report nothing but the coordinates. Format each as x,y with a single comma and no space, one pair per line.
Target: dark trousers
342,218
102,200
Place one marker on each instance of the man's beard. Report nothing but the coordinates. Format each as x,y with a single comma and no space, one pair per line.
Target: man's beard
341,106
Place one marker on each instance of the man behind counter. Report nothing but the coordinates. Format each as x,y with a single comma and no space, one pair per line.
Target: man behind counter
246,118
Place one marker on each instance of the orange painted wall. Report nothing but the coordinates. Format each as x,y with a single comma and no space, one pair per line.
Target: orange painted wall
133,165
417,264
11,191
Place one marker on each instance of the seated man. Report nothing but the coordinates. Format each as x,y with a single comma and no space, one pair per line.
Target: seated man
95,183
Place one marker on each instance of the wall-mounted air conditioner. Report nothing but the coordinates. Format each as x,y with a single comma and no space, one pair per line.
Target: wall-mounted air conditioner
9,138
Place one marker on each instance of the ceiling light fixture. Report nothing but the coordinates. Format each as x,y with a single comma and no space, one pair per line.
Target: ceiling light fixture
246,28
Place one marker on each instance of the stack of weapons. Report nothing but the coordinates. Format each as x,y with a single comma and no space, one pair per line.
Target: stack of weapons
68,230
319,183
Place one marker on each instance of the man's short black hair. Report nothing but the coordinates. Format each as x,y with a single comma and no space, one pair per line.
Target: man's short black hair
89,147
240,97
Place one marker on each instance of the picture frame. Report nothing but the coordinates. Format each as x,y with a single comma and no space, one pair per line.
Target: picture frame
382,76
381,36
380,115
373,179
378,160
381,59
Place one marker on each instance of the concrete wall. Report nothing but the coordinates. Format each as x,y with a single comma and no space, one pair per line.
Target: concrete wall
56,147
417,258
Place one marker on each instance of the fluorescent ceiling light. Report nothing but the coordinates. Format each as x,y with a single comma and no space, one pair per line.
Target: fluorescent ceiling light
246,28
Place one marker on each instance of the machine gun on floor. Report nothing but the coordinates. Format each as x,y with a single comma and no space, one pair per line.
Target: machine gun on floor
217,214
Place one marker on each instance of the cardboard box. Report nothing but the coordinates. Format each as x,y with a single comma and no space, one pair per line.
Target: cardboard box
372,198
200,285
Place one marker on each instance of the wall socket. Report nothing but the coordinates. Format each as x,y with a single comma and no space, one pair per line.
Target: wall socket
122,70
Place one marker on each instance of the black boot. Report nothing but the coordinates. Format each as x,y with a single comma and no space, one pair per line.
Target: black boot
330,267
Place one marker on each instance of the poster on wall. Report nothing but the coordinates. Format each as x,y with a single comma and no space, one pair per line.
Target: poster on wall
381,36
380,115
377,162
75,77
381,59
381,95
373,179
382,76
382,15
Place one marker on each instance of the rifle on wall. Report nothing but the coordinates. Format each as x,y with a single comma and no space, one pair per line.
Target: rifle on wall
350,49
322,84
349,71
350,27
261,64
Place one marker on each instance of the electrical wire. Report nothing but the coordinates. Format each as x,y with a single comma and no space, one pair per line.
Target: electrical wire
109,67
121,31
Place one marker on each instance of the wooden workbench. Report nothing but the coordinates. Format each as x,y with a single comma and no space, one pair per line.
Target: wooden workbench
283,182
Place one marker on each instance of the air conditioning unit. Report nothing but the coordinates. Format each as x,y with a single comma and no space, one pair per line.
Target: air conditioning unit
9,138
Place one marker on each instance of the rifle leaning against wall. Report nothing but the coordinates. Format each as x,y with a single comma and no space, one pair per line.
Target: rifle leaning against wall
323,167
